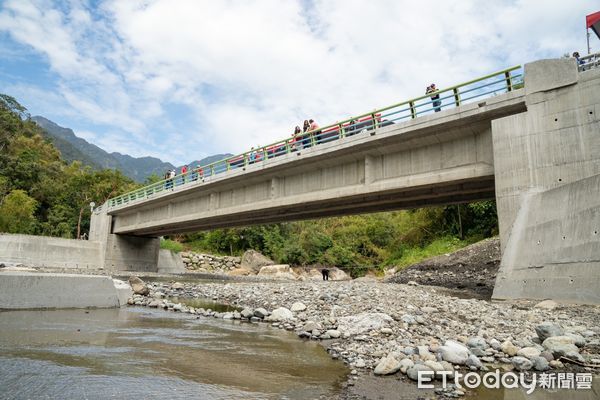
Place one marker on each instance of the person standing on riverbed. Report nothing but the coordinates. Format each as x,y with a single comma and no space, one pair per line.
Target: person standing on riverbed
325,273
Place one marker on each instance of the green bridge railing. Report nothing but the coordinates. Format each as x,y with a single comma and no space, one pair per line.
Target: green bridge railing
467,92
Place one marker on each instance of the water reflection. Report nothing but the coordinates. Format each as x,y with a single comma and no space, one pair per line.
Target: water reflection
145,353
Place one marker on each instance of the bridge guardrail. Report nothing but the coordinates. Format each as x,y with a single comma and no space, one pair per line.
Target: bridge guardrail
454,96
588,62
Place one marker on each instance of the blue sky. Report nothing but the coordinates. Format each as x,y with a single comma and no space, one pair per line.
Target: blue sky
183,79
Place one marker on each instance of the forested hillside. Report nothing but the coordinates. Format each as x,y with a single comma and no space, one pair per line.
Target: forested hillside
40,193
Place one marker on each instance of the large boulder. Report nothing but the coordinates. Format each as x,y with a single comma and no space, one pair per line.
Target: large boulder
254,261
548,329
388,365
336,274
562,346
240,272
362,323
138,286
280,314
280,271
454,352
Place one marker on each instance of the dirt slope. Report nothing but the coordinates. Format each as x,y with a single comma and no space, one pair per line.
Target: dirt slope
472,269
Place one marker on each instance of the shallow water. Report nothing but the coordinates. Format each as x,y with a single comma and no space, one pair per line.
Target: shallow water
141,353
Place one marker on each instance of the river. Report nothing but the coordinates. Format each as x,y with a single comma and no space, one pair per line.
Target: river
142,353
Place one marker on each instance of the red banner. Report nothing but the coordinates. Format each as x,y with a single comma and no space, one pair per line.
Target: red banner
593,21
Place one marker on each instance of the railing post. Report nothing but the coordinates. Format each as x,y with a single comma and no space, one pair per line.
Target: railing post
287,146
342,131
456,97
508,81
245,160
374,121
312,139
413,112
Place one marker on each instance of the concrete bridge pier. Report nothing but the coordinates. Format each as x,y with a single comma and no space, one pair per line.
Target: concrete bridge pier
123,252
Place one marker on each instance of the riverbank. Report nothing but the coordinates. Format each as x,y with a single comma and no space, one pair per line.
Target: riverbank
397,329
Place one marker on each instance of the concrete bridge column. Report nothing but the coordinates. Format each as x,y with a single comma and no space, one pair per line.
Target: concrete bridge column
547,177
123,252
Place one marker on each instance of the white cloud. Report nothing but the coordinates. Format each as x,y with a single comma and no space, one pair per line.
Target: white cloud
186,79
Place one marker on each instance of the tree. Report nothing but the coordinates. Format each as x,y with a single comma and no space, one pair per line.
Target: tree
17,212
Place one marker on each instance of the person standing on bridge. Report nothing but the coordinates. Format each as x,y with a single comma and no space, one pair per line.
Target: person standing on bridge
184,171
305,138
314,129
436,98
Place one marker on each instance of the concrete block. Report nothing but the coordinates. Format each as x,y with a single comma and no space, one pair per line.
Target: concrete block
545,75
29,290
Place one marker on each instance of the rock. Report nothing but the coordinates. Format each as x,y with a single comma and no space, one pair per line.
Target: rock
540,364
547,355
280,271
556,364
521,363
474,362
310,326
280,314
388,365
336,274
360,363
333,333
562,346
260,313
495,344
548,329
405,364
247,313
578,340
177,286
412,283
362,323
529,352
138,286
424,353
413,372
428,310
387,331
546,305
228,315
508,348
254,261
454,352
434,365
154,303
477,342
240,272
297,307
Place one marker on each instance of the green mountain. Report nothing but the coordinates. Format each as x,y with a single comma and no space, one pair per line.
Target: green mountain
74,148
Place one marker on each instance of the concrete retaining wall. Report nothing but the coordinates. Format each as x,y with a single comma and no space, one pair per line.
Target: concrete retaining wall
27,290
170,262
42,251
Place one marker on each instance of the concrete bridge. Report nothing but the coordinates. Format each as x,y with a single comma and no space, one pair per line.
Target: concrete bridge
534,146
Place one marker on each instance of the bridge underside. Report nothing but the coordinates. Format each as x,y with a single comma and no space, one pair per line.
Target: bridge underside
481,188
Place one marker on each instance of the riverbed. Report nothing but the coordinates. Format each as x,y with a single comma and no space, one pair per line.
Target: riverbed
141,353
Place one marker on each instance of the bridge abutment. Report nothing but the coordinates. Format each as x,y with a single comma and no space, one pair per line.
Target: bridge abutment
547,173
123,252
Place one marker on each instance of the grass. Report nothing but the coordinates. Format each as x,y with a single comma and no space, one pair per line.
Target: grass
444,245
172,245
